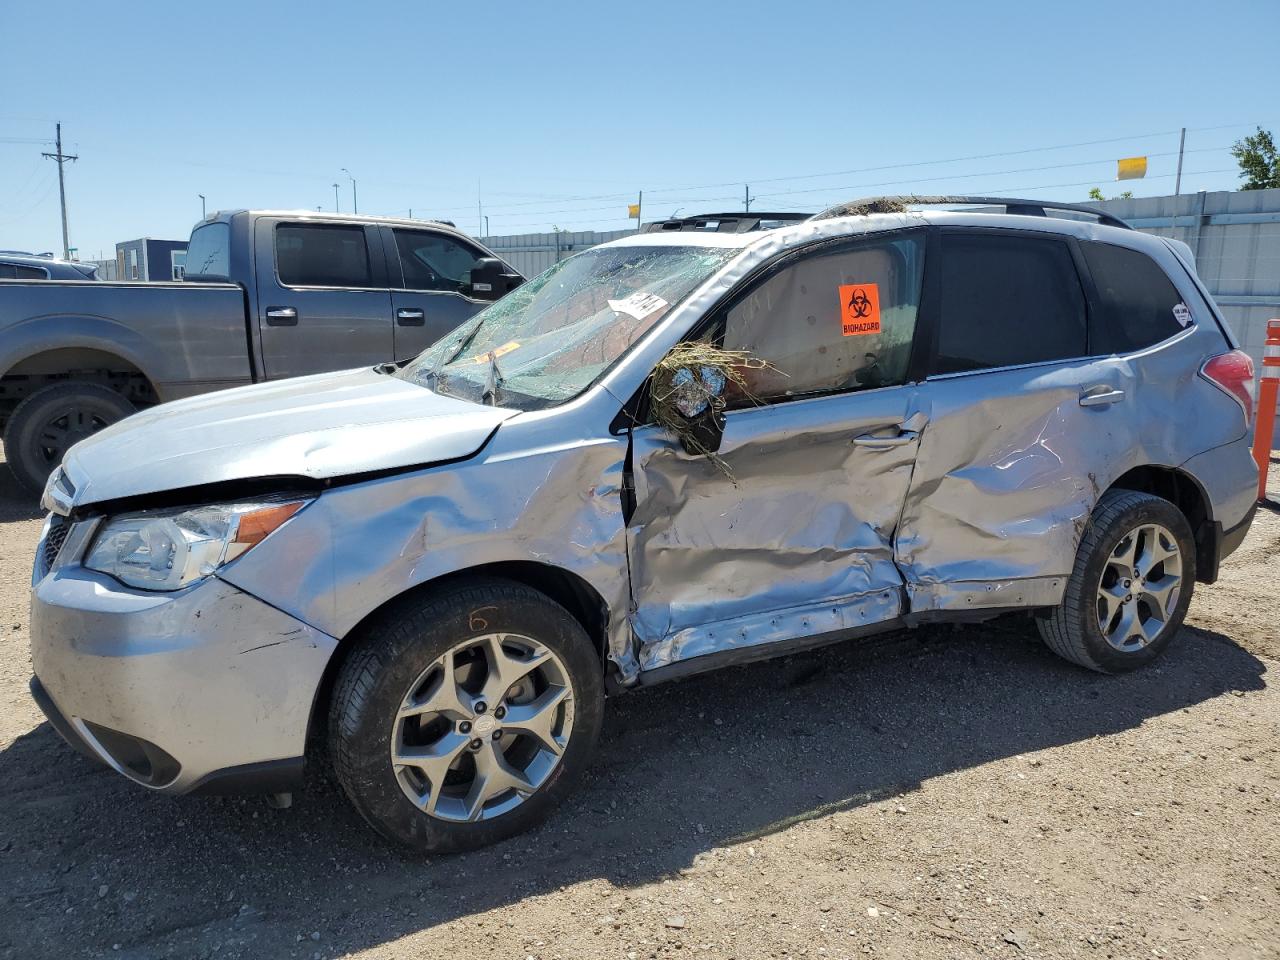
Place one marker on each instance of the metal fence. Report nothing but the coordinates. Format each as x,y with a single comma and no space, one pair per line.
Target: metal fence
531,253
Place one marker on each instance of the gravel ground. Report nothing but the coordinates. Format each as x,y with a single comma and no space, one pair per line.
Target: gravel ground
941,793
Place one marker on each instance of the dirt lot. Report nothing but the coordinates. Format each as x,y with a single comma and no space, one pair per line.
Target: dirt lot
946,793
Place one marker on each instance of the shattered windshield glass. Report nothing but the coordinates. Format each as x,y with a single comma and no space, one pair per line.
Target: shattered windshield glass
548,340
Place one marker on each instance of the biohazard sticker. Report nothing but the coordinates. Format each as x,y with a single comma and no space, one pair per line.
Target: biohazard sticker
859,309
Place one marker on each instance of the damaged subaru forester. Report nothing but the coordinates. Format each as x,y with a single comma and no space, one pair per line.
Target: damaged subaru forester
429,574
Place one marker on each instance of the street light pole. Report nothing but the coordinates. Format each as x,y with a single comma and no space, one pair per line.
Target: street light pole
203,212
355,206
337,207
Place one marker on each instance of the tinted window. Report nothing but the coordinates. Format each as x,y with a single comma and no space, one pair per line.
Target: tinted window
1136,300
432,261
18,271
318,255
209,252
831,322
1007,301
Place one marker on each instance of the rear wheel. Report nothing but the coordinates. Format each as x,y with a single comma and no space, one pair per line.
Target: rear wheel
1130,588
464,715
48,423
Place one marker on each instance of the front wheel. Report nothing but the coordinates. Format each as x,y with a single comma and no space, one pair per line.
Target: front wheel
465,714
1131,585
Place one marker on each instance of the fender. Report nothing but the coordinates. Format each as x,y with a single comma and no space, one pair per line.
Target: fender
42,334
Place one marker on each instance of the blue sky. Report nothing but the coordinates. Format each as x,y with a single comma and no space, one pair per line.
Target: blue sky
556,114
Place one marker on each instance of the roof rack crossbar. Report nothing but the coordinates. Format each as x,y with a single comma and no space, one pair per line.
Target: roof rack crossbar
1027,208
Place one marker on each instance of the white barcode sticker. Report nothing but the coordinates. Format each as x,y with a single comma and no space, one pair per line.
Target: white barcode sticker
638,305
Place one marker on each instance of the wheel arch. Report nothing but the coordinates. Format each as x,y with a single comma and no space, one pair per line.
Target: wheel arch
60,364
582,601
1186,493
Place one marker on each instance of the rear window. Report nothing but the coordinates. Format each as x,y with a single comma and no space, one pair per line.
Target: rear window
1137,300
209,253
320,255
1007,301
18,271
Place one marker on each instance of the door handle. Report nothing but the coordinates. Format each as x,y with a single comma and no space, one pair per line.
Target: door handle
872,442
411,317
1101,396
282,317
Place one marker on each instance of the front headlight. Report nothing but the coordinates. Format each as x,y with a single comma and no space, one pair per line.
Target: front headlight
166,550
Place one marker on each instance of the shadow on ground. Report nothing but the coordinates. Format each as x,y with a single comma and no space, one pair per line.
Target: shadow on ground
88,860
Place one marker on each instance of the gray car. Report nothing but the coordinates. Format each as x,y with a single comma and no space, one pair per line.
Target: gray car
19,265
669,453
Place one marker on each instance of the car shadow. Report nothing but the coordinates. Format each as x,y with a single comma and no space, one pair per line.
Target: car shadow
90,860
16,503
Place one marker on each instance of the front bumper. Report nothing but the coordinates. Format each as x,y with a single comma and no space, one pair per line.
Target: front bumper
201,689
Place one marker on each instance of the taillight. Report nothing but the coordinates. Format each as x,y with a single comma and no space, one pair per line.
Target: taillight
1233,372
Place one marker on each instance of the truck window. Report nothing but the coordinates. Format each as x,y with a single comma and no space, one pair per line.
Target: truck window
432,261
209,253
321,255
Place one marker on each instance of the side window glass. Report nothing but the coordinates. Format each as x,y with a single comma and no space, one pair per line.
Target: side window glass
8,271
1137,300
1006,301
831,322
320,255
432,261
29,273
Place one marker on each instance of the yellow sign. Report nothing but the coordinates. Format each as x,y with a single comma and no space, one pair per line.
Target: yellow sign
633,209
1131,168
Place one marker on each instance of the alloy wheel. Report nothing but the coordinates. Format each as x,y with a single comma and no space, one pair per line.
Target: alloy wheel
1139,588
482,728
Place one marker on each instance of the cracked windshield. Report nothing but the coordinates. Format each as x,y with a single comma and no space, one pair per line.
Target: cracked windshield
547,341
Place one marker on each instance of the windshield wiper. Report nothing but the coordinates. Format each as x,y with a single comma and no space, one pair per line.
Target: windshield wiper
494,380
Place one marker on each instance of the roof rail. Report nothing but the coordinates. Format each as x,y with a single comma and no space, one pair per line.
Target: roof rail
1025,208
725,222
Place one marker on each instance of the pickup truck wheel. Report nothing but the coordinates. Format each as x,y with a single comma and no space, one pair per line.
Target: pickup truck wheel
48,423
465,714
1131,586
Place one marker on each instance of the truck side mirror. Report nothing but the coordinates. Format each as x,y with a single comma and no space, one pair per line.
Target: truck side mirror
491,279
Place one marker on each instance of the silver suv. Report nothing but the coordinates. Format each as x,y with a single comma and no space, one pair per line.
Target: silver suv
669,453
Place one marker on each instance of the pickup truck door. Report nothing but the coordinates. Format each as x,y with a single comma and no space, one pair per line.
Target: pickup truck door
322,301
430,278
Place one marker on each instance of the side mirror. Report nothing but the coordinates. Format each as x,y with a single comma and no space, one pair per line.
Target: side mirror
491,279
693,408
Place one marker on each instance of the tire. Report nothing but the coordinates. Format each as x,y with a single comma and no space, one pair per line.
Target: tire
398,664
46,424
1090,629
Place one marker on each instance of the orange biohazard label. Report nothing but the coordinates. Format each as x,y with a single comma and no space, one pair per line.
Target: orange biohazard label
859,309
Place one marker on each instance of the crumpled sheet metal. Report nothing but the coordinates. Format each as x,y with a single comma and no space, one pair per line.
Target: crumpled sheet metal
539,497
799,546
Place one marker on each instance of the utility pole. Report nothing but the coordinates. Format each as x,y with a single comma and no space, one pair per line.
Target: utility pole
486,224
639,208
746,197
480,210
1182,142
62,188
355,206
203,212
337,207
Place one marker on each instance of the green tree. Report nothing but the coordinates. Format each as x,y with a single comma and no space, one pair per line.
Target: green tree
1259,161
1096,194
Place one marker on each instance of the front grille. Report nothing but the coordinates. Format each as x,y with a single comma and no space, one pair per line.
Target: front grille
59,527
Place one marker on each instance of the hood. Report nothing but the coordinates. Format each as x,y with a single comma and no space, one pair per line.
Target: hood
324,426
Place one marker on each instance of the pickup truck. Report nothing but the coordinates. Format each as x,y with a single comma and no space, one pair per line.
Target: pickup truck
266,295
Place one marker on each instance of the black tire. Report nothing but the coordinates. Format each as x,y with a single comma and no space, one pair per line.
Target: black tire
1072,629
46,424
388,661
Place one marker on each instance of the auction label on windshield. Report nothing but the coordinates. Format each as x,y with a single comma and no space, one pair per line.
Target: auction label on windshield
859,309
496,352
638,305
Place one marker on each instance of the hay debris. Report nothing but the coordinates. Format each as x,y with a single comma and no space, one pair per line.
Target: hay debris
689,381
